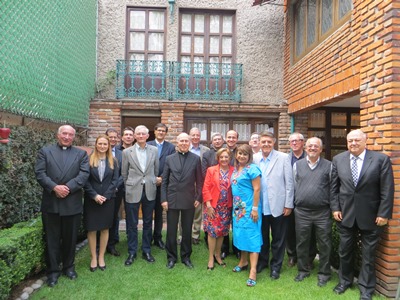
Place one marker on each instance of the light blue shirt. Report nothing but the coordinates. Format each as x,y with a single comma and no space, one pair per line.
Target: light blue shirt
264,164
142,156
195,150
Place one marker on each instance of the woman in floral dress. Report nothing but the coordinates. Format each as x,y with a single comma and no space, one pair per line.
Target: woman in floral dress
246,223
217,198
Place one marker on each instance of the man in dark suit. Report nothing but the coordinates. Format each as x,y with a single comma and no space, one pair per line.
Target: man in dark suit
140,171
362,192
62,171
164,149
180,195
113,238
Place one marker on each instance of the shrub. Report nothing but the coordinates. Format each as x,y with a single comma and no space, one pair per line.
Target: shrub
21,254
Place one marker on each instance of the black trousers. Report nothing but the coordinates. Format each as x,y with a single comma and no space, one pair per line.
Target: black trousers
369,242
320,220
171,246
158,217
113,237
60,233
291,240
278,232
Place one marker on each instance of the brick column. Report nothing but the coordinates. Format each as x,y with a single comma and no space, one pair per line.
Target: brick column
172,115
380,116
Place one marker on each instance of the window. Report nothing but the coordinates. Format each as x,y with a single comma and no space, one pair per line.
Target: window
245,127
146,34
314,20
206,53
145,53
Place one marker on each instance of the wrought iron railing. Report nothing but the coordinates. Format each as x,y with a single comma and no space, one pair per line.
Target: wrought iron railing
178,80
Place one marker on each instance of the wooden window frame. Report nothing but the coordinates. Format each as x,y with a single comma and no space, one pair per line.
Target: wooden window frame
320,37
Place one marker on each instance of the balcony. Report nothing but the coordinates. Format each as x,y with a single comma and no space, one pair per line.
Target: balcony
171,80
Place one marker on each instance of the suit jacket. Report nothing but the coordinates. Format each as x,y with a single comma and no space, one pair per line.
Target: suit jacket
167,149
134,176
107,187
182,185
50,171
208,160
203,149
279,178
211,187
118,157
373,195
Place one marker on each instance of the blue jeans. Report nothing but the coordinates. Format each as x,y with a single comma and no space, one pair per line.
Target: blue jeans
132,219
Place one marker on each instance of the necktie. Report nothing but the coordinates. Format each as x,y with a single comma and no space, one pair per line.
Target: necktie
354,170
159,147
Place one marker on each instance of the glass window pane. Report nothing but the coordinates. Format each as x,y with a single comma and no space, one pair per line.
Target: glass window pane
185,65
199,23
199,44
138,19
243,129
198,65
186,22
214,65
226,66
316,119
156,20
355,119
156,63
344,7
226,45
137,63
214,24
227,24
311,21
214,45
137,56
186,44
156,41
299,27
261,127
327,15
157,57
137,41
219,127
338,119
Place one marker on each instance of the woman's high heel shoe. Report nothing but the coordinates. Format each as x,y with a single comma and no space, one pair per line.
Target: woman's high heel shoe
92,269
102,267
210,268
222,264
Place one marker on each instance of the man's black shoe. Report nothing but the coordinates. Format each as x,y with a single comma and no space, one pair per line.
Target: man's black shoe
148,257
170,264
113,251
224,254
341,288
160,244
365,296
301,276
291,262
195,241
71,274
130,259
275,274
322,282
52,281
188,263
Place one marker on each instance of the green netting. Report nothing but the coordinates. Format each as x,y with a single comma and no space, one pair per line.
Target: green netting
48,58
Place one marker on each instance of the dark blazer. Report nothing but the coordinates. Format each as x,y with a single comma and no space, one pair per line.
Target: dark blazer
182,186
167,149
373,195
118,156
50,172
106,188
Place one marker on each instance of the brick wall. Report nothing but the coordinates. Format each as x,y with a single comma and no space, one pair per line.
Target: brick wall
361,57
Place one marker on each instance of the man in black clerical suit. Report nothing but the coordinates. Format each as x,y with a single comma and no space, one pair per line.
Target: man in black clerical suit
362,192
164,149
62,170
181,187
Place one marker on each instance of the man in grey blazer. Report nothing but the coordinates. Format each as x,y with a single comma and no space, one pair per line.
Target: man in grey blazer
181,191
199,150
140,170
277,193
62,170
362,192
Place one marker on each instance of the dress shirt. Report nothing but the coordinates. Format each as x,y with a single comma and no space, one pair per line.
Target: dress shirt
195,150
142,156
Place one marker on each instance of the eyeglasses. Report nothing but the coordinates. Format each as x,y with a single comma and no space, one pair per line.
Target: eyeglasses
161,130
295,141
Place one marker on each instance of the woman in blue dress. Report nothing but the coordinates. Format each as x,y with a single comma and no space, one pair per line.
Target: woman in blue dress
246,222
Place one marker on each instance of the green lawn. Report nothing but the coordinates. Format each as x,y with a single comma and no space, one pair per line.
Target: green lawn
143,280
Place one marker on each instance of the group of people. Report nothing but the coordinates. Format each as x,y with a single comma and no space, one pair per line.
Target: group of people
272,201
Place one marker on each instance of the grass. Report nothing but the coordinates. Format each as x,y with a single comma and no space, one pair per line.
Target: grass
143,280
